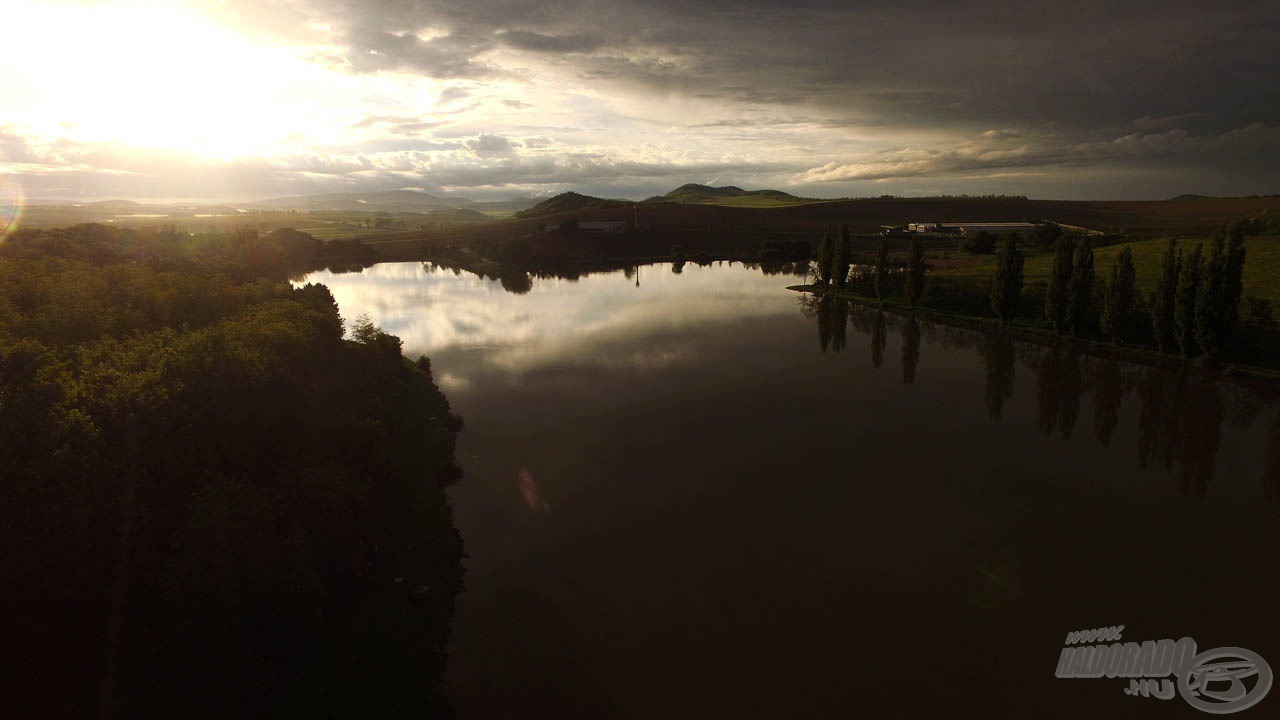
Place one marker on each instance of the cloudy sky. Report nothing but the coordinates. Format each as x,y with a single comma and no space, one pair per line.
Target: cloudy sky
491,99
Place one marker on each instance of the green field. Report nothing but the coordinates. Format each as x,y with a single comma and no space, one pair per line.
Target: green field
756,201
1261,270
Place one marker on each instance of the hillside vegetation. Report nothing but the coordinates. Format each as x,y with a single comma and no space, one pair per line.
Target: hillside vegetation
206,491
728,195
570,201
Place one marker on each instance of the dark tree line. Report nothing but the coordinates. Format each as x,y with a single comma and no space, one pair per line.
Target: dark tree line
1196,304
206,491
1006,286
1195,307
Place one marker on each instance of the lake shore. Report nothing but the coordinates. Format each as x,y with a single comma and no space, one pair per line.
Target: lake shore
1045,336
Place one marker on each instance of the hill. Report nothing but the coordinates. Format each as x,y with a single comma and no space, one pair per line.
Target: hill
393,201
114,205
570,201
722,230
460,215
695,193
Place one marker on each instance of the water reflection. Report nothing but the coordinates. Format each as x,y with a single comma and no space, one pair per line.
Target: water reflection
1001,366
1058,388
740,521
910,348
1181,409
1108,395
1271,471
878,339
539,316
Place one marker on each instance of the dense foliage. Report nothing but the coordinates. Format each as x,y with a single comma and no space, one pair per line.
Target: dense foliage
206,492
1006,285
915,272
1119,296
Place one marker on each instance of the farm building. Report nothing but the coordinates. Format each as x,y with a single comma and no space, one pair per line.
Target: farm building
615,227
957,228
993,227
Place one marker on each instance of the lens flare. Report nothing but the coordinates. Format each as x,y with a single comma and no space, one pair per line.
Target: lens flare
11,202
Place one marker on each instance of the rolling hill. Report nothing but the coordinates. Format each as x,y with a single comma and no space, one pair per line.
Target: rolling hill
695,193
383,201
570,201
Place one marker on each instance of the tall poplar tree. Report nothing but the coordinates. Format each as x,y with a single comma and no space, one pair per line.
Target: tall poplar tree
1164,299
1006,285
882,269
843,254
915,272
1081,288
1059,288
1211,299
1233,279
1184,311
826,251
1118,299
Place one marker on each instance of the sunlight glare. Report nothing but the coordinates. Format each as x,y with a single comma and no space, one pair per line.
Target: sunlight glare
149,74
11,202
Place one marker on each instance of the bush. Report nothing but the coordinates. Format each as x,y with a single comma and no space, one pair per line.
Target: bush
982,243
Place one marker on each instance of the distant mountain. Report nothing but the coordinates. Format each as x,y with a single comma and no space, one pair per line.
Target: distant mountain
694,193
511,206
114,205
1191,196
460,215
566,202
382,201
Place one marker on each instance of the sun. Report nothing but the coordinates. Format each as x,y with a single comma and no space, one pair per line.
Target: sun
153,74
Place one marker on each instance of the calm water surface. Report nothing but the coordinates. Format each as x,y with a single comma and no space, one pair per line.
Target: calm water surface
704,495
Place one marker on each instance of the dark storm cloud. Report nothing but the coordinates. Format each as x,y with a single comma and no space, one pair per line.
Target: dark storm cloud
1080,65
538,42
983,88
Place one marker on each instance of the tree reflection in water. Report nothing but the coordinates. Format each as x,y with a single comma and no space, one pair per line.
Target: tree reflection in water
1181,408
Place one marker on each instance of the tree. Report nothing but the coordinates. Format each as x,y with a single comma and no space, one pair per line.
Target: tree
826,251
981,243
915,272
1118,299
882,270
1057,294
1046,234
1211,300
1081,288
1164,300
1006,286
1184,311
843,255
1233,279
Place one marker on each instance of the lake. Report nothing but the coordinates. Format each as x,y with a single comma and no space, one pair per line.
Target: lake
699,494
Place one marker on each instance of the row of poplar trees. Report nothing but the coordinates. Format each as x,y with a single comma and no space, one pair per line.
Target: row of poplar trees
1194,310
1067,297
835,255
1196,305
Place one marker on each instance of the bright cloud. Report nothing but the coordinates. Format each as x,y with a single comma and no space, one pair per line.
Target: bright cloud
237,99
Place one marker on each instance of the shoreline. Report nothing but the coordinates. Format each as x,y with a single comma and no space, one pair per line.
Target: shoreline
1042,336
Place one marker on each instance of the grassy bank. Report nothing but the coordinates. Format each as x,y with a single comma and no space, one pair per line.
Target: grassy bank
1261,270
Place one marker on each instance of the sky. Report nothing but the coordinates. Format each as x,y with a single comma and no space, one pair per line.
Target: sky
236,100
